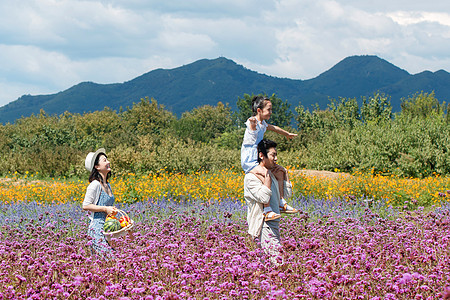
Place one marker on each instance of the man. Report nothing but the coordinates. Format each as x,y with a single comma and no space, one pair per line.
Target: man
260,187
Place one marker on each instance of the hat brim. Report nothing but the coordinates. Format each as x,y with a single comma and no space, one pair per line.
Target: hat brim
94,157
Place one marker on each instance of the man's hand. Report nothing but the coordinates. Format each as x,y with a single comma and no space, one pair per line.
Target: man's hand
260,172
263,174
279,172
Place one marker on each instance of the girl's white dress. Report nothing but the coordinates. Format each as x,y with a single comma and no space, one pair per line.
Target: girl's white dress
249,151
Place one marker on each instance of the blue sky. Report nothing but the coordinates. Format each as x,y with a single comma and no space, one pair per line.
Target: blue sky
47,46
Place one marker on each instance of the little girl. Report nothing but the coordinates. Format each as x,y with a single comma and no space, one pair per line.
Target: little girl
254,133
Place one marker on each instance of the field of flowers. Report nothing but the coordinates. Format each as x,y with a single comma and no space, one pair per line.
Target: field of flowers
333,250
190,240
205,186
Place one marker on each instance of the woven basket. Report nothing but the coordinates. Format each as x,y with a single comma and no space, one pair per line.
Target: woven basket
121,232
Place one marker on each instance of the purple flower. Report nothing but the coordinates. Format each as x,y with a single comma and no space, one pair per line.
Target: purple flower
405,278
138,290
77,280
446,294
341,249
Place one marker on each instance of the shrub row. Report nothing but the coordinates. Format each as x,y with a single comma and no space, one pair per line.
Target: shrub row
147,138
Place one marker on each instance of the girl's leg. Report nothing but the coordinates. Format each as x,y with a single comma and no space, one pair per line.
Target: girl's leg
269,214
281,175
281,187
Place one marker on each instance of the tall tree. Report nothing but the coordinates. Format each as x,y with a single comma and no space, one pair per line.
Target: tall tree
204,123
421,105
315,119
147,116
376,108
346,111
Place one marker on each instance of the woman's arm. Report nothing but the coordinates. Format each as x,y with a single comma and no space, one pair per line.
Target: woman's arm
278,130
109,210
90,199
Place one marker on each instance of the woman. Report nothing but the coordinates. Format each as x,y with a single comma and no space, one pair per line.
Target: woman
99,200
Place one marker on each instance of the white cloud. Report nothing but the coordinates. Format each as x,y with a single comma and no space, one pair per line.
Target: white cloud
52,70
35,65
407,18
50,45
178,41
311,42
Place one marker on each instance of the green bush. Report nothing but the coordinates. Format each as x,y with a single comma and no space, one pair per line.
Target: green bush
413,149
205,123
172,155
147,138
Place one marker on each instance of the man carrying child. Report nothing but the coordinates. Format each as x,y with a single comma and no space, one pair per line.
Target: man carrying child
261,187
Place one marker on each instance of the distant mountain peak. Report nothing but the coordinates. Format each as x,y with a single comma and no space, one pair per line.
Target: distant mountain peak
205,62
208,81
365,63
358,73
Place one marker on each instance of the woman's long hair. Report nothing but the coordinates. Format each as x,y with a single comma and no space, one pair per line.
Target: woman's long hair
95,174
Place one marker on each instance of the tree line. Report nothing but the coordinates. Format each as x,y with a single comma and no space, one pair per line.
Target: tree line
362,134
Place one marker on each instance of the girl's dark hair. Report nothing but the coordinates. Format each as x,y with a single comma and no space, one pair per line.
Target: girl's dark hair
263,146
258,102
95,175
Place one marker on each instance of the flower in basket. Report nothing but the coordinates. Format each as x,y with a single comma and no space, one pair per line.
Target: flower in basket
124,221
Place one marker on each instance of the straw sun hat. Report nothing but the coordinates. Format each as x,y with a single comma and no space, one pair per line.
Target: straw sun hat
90,158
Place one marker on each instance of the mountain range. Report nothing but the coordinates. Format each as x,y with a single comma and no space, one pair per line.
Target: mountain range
209,81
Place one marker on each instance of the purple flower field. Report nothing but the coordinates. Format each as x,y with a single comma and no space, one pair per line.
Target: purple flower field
334,250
